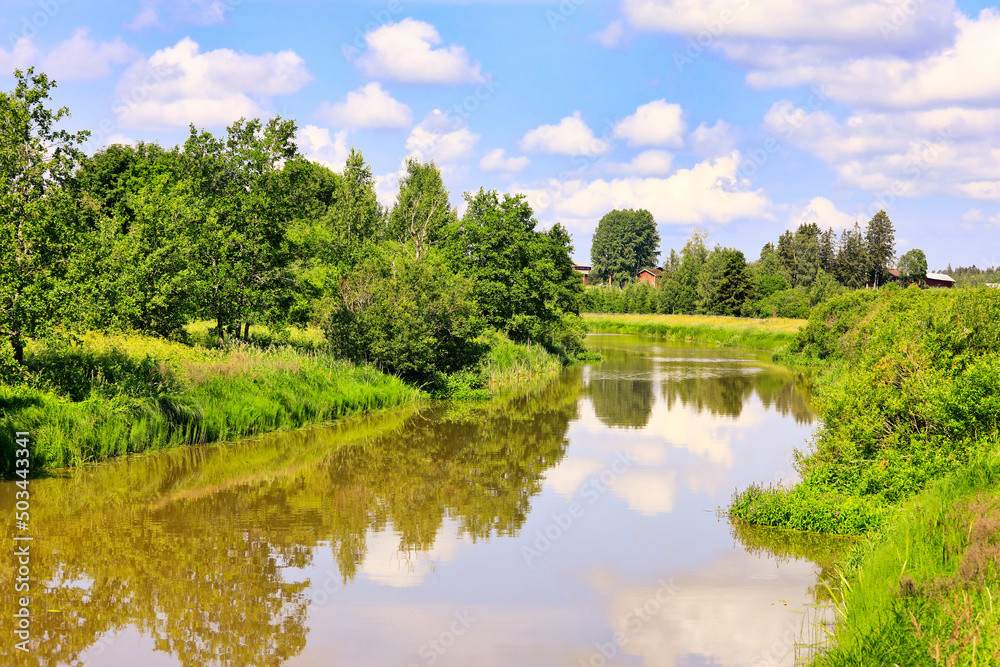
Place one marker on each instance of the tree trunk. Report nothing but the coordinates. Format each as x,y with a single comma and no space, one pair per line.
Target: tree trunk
246,332
17,343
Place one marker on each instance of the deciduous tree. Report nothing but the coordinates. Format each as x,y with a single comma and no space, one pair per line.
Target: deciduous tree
38,225
625,242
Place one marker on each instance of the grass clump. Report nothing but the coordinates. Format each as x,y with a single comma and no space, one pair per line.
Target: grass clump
504,366
766,334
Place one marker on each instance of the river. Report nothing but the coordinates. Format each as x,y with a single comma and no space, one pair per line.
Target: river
577,525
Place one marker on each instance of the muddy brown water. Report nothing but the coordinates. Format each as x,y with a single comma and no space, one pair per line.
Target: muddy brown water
576,525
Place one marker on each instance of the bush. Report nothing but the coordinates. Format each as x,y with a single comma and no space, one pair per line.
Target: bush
787,303
412,318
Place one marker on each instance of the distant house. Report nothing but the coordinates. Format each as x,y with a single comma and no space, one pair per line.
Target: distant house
932,279
940,280
584,270
649,276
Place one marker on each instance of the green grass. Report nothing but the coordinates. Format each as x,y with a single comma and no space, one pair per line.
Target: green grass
765,334
116,395
909,457
926,590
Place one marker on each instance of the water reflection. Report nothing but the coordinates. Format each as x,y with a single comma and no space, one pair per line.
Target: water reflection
191,547
374,542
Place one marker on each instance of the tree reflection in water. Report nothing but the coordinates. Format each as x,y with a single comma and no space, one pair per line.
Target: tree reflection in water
189,546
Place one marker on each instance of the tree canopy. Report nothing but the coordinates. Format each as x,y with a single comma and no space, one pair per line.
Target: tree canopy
625,242
40,226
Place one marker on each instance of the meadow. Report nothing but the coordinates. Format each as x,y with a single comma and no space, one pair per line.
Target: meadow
761,334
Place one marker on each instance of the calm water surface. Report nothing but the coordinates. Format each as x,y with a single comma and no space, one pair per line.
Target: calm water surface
575,526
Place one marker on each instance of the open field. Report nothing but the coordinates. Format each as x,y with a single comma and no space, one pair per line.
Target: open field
763,334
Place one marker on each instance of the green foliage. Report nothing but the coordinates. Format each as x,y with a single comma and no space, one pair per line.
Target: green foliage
239,238
724,284
824,288
767,284
913,266
973,276
422,210
523,282
880,248
138,275
787,303
38,225
358,221
625,242
413,318
123,395
925,586
680,289
908,396
852,258
772,335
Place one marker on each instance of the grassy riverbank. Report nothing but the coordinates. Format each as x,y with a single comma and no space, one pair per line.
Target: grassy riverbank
764,334
909,456
111,395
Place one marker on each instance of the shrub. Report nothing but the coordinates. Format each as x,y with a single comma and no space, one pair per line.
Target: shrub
412,318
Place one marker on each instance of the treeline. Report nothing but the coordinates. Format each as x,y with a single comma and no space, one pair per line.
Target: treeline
242,230
806,267
973,275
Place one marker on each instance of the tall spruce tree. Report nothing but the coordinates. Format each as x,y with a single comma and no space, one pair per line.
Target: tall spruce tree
880,246
852,258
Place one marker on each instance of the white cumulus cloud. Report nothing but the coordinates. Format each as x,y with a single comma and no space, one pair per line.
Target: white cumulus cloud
317,145
953,151
405,51
719,139
647,163
824,213
441,138
709,192
571,136
658,123
21,55
496,160
848,25
369,107
960,73
181,84
80,57
612,36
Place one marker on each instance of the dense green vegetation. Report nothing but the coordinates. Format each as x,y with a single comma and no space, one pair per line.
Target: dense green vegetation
907,455
908,396
922,591
624,243
244,232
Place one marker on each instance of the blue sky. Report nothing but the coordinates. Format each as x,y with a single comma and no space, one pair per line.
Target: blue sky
743,117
